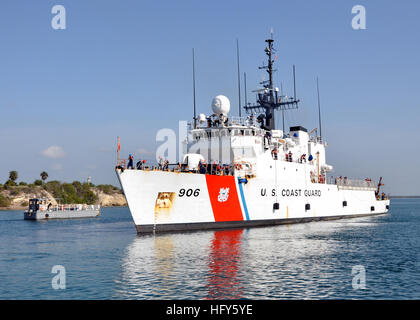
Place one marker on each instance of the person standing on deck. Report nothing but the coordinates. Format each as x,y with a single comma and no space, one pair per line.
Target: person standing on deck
130,164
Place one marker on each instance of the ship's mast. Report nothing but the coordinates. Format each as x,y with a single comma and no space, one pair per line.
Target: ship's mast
267,99
195,107
269,52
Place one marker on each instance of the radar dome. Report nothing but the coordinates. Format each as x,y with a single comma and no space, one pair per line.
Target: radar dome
220,105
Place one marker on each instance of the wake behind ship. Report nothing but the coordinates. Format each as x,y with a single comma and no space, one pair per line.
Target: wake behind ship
243,172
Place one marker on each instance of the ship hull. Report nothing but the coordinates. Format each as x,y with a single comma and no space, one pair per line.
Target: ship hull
161,201
183,227
68,214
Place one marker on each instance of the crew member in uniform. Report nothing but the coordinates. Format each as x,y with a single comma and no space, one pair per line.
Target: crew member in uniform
274,153
130,164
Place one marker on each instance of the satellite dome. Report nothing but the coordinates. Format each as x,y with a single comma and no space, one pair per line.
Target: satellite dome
220,105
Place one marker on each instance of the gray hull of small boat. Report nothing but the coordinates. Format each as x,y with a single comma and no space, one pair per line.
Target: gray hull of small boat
67,214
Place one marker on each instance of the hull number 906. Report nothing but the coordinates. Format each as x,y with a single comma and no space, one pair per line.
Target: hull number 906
189,192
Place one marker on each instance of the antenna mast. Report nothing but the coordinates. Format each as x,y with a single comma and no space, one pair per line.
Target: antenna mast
267,98
239,77
319,109
246,98
294,82
195,115
282,110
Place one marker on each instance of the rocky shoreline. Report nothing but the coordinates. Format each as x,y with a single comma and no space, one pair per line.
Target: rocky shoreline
17,198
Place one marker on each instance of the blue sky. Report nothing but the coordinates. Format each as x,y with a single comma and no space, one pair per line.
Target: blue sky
123,68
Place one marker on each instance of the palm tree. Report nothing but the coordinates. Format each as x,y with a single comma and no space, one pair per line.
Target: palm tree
44,176
13,175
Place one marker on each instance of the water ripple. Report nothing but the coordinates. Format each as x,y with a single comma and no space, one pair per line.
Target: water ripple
104,259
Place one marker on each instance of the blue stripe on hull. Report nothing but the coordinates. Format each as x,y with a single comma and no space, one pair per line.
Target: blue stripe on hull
243,200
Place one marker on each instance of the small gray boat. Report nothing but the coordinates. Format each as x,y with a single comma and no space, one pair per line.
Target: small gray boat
40,210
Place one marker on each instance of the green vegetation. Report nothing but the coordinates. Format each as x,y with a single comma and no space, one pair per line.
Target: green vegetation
4,201
75,192
9,183
107,188
63,192
13,175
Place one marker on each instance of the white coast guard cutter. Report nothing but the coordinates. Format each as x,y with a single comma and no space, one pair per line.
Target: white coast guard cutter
244,172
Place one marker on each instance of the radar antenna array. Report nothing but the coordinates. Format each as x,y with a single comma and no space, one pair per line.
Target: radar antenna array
268,99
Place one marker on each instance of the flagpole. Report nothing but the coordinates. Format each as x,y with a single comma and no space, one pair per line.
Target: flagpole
118,152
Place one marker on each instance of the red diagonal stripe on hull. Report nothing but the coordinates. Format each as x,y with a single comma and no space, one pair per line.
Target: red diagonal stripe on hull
226,206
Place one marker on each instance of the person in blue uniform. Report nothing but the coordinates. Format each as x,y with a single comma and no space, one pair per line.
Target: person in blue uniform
130,164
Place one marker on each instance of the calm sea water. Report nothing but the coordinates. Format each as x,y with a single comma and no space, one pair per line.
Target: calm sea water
105,259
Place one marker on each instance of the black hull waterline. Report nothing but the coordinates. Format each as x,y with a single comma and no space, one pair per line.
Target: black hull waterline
199,226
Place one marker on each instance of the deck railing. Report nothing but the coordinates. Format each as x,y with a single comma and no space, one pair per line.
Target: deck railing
342,183
355,184
69,207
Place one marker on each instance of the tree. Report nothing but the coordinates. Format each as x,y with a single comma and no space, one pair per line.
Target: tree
13,175
90,197
44,176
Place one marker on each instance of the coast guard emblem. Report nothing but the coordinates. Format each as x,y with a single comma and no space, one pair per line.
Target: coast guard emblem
224,199
223,194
